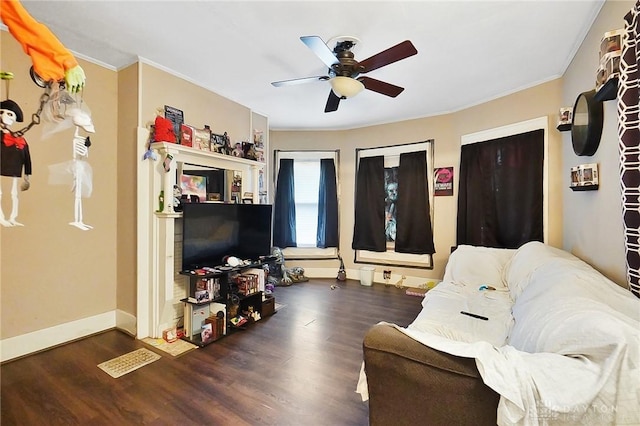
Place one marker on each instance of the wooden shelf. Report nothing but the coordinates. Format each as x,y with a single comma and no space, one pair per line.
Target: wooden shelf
608,91
187,154
584,188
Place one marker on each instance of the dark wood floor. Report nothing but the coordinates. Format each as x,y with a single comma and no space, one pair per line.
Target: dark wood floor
297,367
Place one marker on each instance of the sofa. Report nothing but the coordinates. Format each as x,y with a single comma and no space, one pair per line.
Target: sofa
549,340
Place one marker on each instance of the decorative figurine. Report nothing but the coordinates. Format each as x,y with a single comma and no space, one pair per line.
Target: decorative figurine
249,151
14,157
238,152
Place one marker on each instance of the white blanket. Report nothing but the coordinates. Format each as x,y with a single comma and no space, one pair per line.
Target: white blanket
577,336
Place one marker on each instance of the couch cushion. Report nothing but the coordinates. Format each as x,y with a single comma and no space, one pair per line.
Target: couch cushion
475,266
441,315
527,259
555,292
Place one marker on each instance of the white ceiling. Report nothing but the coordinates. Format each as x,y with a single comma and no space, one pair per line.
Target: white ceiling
469,52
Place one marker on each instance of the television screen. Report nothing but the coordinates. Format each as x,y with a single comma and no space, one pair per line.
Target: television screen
211,231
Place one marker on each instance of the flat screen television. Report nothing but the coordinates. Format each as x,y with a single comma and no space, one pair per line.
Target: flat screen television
211,231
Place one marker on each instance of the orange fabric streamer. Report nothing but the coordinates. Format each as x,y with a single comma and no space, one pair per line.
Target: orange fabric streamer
49,57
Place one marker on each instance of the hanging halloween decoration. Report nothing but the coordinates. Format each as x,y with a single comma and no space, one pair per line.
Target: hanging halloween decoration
14,157
77,171
52,62
52,65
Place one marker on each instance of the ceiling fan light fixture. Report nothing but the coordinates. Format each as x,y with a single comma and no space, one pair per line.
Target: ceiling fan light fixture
346,87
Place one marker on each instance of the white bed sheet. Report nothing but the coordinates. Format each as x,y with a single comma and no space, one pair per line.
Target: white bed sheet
578,338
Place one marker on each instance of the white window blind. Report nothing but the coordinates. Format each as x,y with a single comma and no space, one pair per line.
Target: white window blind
306,170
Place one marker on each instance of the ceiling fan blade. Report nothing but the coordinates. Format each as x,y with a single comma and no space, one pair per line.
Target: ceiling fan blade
332,102
300,81
381,87
393,54
321,50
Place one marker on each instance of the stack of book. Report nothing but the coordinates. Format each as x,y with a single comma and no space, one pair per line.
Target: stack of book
207,289
247,283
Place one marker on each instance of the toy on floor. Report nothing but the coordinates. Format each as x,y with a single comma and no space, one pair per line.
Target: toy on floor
342,274
281,276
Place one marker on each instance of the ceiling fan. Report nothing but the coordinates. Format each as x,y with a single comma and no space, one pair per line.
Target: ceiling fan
344,69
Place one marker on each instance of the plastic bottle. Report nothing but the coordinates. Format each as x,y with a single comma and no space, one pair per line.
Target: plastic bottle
161,201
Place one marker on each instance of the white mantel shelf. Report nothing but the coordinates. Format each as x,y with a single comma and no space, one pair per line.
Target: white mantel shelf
188,155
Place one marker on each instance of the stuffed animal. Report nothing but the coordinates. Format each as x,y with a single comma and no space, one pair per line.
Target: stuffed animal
163,130
237,152
249,151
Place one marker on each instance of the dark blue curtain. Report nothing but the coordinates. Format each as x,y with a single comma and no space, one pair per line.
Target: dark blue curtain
414,233
327,235
284,209
368,229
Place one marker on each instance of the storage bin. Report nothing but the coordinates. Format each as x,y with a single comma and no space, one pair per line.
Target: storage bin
366,275
268,306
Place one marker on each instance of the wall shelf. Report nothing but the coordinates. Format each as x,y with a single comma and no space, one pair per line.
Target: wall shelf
608,91
584,188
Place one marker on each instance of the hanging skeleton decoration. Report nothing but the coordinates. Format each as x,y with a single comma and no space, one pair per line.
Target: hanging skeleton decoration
77,171
14,157
52,63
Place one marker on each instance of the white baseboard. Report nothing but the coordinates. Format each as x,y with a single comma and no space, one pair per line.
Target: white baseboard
126,322
25,344
354,274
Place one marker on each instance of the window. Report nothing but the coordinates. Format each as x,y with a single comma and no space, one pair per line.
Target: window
510,131
393,222
314,234
307,181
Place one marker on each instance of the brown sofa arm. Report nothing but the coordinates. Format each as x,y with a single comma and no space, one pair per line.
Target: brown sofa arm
413,384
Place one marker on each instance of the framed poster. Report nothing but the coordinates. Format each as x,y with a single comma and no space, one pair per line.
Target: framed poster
443,181
176,117
194,185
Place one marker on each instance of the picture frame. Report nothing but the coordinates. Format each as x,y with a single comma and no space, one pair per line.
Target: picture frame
217,140
219,143
443,185
176,116
193,185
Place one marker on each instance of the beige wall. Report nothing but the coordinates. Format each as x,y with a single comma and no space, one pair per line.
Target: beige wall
53,273
593,227
200,106
446,130
128,88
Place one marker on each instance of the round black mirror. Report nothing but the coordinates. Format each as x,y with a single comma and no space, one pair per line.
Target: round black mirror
586,125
